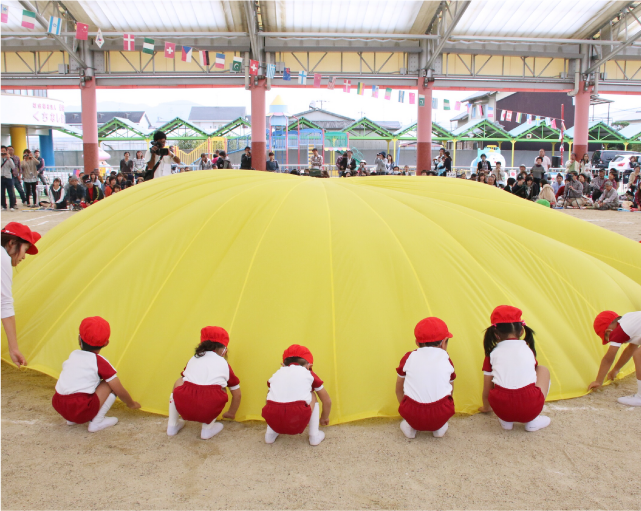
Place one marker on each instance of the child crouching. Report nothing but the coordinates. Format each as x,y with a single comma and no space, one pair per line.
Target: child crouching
424,383
88,384
200,395
291,400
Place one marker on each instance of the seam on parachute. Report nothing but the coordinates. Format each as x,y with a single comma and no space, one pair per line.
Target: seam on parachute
251,263
420,285
331,274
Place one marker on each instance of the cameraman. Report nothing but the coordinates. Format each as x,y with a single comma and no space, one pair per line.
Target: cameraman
159,158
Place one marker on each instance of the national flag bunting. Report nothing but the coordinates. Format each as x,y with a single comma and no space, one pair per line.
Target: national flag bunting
148,46
375,91
271,71
401,96
253,67
5,13
54,25
538,120
457,105
347,86
421,100
302,78
548,121
128,42
317,80
204,58
82,32
99,39
503,114
236,65
553,126
28,19
519,115
186,53
360,89
435,103
508,117
446,104
331,83
220,61
388,93
170,50
287,75
529,119
412,98
490,111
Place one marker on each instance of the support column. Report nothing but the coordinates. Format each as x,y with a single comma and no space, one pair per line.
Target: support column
424,128
89,117
18,140
581,120
258,113
46,149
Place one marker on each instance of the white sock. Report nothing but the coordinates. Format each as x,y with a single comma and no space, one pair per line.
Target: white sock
101,422
407,430
506,425
439,433
316,436
174,424
209,430
111,399
638,387
270,436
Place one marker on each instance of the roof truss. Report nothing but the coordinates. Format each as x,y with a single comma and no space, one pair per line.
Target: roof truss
541,133
485,130
115,129
231,126
368,129
180,129
438,133
304,121
603,133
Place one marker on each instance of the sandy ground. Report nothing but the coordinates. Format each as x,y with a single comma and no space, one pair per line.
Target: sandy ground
585,459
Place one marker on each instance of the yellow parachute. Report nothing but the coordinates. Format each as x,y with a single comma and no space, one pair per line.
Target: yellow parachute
346,267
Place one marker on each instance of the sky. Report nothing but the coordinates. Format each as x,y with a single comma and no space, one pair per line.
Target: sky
299,100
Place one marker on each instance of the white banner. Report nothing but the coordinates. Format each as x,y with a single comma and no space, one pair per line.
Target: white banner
32,111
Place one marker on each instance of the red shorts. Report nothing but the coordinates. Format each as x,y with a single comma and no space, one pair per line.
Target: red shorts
517,405
78,408
287,418
427,416
200,403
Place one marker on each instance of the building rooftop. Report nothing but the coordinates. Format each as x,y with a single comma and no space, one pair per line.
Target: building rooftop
103,117
216,113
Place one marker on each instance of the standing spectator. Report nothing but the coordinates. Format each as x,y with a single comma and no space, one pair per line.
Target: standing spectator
127,166
558,183
538,173
246,159
204,163
438,161
41,167
484,165
17,184
315,161
271,165
223,161
74,192
572,165
447,163
7,180
547,192
586,166
609,199
380,164
159,166
545,161
389,165
57,195
598,185
498,173
635,178
573,194
29,174
139,164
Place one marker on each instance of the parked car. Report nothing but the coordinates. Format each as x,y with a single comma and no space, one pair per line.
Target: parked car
621,162
601,159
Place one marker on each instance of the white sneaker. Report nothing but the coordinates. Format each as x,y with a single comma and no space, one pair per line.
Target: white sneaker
630,400
173,430
506,425
69,423
539,423
107,422
439,433
210,430
270,436
317,438
408,430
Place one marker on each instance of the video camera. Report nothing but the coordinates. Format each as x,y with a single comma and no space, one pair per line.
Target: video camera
159,149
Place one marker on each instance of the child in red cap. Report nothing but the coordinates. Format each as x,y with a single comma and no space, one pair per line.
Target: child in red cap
515,386
424,383
616,330
88,384
199,394
291,400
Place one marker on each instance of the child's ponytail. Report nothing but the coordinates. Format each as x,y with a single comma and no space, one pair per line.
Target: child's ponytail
529,338
490,340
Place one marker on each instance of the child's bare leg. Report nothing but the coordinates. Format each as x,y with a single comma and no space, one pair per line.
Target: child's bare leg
637,362
543,379
179,382
102,391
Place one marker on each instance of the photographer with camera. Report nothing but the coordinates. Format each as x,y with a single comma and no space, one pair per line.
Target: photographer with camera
159,158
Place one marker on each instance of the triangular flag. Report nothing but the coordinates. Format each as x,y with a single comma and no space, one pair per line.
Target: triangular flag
287,76
128,42
360,89
317,80
457,105
271,71
236,65
28,19
204,59
220,61
5,13
253,67
421,100
412,98
401,96
99,39
375,91
503,114
186,53
508,117
302,78
446,104
388,93
82,31
347,86
435,103
170,50
54,25
148,46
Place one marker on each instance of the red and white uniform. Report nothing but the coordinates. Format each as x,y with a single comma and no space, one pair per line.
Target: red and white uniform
628,330
428,373
290,393
75,398
514,398
202,396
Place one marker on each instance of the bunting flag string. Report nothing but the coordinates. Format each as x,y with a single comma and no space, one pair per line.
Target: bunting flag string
332,83
401,96
388,93
360,89
375,91
412,98
5,13
317,80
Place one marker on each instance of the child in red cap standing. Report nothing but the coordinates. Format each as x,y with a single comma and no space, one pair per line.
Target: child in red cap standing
88,384
291,400
617,330
199,394
515,386
424,383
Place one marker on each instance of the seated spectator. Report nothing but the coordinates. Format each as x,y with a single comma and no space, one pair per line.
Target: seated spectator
74,192
558,183
294,172
530,191
406,170
614,178
362,168
598,185
128,184
583,179
510,184
109,188
57,195
224,162
396,170
271,165
116,188
482,178
140,165
635,178
120,181
140,180
205,163
306,172
93,192
347,173
547,193
573,193
423,173
499,173
491,180
609,199
325,174
473,177
519,189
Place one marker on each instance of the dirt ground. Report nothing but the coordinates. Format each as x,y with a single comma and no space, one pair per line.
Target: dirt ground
584,460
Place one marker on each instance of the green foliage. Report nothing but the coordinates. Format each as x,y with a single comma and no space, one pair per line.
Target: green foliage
188,145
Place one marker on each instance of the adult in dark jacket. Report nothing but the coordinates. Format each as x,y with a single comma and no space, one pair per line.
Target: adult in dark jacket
246,159
484,164
74,192
447,164
347,163
271,165
519,189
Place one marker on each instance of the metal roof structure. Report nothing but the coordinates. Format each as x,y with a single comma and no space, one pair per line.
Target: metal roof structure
105,117
469,44
600,132
216,113
631,132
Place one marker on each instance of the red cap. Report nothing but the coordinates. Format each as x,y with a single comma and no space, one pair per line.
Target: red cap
214,334
296,350
602,322
24,233
431,330
95,331
506,314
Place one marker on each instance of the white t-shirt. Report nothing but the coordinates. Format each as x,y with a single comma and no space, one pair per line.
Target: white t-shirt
164,169
210,369
293,383
82,372
512,364
630,323
428,374
7,281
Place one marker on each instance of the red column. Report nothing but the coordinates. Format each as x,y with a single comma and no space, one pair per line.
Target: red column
258,113
89,118
424,129
581,119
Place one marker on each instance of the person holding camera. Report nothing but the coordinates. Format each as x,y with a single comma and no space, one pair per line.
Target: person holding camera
159,158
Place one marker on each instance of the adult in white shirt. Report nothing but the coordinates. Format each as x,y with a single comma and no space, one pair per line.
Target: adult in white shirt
17,241
166,161
547,163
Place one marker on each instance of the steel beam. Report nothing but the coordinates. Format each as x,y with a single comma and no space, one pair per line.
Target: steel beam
628,42
460,9
251,18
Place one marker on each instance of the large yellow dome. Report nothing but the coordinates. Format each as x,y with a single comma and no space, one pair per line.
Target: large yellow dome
346,267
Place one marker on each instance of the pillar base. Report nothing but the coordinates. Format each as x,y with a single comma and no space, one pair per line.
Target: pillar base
90,157
258,155
423,157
